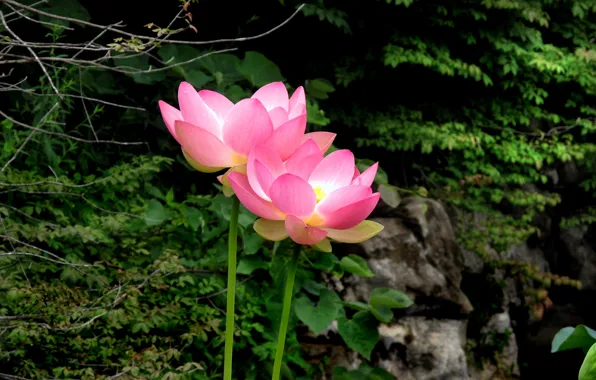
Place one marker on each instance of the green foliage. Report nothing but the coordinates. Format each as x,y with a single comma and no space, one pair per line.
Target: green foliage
360,332
356,265
570,338
318,317
588,368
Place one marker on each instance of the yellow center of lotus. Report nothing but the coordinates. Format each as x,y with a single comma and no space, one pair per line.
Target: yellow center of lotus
319,193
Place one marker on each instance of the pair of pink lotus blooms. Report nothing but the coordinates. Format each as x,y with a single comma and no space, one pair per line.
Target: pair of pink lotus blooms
277,171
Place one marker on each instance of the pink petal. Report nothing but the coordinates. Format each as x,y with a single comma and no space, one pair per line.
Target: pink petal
300,109
356,173
204,147
304,160
323,139
298,101
293,195
170,115
224,179
274,230
302,234
335,171
195,111
286,139
278,116
307,148
246,125
218,103
352,214
197,165
262,179
356,234
304,167
263,167
273,95
252,201
342,197
367,177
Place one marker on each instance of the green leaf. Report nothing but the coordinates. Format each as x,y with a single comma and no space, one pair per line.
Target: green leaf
100,82
252,242
193,217
588,368
360,333
389,195
360,306
259,70
197,78
170,196
140,62
391,298
323,260
248,265
356,265
322,246
155,213
320,317
569,338
224,67
315,115
313,287
382,313
321,85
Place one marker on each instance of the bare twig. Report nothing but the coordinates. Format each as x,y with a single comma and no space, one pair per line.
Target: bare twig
121,69
32,53
69,136
83,325
147,38
32,5
16,254
11,377
57,183
82,97
36,21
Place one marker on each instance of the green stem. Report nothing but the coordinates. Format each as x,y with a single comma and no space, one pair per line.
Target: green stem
232,248
285,313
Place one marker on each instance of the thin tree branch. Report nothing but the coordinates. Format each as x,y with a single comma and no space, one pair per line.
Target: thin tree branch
142,37
32,53
69,136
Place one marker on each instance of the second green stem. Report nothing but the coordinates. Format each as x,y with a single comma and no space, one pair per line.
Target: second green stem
285,313
232,249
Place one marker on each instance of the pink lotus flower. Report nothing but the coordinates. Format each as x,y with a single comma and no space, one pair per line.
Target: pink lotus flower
306,196
216,134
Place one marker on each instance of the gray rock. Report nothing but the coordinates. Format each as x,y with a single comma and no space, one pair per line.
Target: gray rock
416,253
534,256
425,349
582,255
504,364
